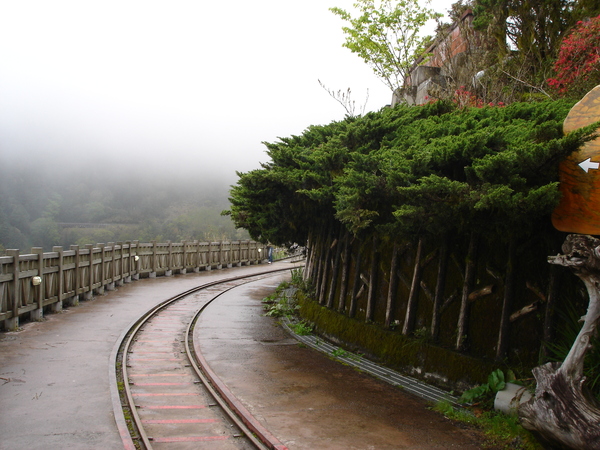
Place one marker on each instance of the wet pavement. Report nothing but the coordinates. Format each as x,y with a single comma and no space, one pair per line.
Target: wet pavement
54,374
304,398
55,392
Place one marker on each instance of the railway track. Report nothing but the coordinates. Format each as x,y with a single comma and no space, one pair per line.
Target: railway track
169,396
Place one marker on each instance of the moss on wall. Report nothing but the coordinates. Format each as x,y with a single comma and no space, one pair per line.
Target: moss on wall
441,366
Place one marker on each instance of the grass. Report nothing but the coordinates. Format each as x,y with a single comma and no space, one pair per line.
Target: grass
281,307
301,328
339,353
499,430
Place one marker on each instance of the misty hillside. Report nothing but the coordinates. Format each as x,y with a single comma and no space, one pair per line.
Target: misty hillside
43,209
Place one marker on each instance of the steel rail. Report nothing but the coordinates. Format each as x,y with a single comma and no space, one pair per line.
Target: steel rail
258,434
129,336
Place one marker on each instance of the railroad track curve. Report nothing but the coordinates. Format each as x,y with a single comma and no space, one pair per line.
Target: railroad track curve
166,396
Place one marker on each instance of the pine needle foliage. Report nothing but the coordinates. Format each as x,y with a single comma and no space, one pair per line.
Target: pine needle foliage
413,172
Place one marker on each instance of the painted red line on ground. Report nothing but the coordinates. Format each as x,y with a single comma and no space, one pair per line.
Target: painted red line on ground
154,352
158,375
161,331
174,407
164,393
154,359
191,439
164,324
162,384
151,421
164,327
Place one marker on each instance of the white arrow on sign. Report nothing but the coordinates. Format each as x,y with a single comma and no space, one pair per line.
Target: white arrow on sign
589,164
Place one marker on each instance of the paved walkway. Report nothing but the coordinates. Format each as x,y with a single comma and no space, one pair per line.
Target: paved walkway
54,374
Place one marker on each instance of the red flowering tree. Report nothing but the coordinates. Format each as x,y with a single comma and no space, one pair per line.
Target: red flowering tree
578,65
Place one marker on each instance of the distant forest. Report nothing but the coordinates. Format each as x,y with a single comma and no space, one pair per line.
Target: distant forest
36,208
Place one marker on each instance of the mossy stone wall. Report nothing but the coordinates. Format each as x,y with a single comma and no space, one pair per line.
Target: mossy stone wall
439,360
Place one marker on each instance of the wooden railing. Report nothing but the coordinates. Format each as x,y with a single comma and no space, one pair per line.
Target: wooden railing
31,283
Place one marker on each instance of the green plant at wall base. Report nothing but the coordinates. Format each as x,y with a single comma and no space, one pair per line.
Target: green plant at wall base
298,280
301,328
500,430
339,353
297,276
279,305
496,382
422,334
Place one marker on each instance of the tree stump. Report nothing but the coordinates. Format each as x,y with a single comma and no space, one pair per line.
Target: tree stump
561,412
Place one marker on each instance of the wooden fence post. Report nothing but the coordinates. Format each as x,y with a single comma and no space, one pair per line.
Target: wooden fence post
78,283
154,260
183,270
220,264
38,314
127,273
110,267
90,292
209,257
121,271
13,323
137,262
229,254
60,274
169,270
102,248
197,256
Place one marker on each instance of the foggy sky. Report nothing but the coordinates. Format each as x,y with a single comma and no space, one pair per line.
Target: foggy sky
170,86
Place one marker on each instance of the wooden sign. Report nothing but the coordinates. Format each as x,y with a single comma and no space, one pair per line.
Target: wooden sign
579,174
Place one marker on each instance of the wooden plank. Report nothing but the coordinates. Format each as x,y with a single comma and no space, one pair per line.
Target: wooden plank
6,277
579,208
16,300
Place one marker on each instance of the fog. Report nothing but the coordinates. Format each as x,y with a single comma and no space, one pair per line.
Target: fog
180,91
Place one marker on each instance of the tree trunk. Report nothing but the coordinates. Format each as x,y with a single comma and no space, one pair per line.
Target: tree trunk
335,270
345,272
411,306
560,412
440,287
372,281
310,260
509,293
550,306
392,288
356,284
470,272
325,270
318,264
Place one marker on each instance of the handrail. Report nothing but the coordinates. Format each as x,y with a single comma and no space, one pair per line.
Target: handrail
31,282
